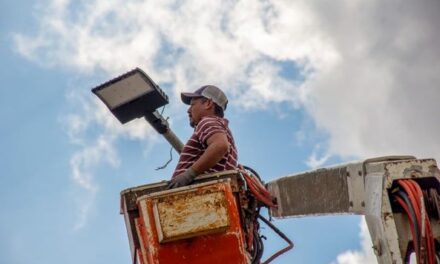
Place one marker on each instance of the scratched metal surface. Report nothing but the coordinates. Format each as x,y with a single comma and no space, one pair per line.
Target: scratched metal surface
191,214
225,245
320,192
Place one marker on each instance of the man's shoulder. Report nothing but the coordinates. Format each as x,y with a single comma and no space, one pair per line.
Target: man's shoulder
210,118
210,121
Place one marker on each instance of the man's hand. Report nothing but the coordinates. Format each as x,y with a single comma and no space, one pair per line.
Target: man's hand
183,179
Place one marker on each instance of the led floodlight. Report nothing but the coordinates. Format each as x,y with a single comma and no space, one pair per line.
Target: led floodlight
131,95
134,95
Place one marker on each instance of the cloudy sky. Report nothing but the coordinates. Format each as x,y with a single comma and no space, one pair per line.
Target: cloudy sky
311,84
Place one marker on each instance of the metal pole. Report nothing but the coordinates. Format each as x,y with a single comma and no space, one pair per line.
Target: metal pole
173,140
161,125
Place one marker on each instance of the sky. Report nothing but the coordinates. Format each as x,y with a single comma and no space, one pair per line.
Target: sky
310,84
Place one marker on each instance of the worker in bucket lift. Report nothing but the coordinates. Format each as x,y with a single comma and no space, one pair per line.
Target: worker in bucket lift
211,147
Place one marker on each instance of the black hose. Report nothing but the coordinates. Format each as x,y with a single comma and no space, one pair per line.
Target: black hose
409,250
257,253
253,172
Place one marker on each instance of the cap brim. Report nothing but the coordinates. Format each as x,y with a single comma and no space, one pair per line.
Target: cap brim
186,97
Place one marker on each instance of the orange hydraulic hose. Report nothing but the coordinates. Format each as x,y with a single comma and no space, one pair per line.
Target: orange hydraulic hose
415,195
258,190
257,193
411,220
429,235
409,189
425,223
257,183
263,196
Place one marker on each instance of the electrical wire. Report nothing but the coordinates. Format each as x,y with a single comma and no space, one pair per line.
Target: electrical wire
259,196
403,200
168,162
427,240
429,236
410,197
412,202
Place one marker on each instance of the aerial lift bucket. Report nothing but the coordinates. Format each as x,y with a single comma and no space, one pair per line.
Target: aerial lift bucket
194,224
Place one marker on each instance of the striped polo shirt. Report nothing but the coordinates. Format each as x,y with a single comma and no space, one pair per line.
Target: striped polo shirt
196,146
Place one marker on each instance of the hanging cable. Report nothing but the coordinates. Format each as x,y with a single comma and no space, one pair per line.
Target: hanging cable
168,162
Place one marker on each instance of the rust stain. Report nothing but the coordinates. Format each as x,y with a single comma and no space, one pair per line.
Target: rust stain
227,246
192,214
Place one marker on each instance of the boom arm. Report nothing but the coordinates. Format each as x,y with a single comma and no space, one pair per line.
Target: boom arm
364,188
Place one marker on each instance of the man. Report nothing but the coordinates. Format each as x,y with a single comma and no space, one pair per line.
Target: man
211,147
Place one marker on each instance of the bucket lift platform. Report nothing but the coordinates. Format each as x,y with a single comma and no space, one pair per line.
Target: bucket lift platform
194,224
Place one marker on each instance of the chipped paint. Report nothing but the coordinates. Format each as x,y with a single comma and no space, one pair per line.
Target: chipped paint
178,213
361,188
191,214
409,169
394,227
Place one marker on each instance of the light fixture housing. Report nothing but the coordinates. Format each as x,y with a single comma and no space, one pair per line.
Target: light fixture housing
131,95
134,95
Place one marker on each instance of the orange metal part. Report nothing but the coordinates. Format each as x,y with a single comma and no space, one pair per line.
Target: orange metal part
191,225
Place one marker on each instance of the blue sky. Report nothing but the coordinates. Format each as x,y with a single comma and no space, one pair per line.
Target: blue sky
310,85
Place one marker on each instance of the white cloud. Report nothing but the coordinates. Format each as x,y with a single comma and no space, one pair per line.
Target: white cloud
365,255
83,161
369,71
185,44
317,159
380,96
94,151
84,204
83,164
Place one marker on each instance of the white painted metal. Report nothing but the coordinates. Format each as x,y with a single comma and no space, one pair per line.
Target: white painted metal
368,184
356,188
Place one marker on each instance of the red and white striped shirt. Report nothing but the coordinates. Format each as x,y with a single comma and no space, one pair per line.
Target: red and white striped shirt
197,145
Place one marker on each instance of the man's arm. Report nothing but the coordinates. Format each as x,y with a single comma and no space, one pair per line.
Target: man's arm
218,146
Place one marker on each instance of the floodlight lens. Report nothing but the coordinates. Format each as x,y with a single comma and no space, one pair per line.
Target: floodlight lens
131,95
124,91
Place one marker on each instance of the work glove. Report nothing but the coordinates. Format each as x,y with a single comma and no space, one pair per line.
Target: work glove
183,179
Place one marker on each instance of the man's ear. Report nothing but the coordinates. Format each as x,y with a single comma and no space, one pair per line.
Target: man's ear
210,104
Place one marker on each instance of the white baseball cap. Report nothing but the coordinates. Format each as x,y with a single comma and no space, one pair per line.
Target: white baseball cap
208,91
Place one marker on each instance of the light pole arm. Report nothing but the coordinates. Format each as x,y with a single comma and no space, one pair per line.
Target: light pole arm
173,140
161,125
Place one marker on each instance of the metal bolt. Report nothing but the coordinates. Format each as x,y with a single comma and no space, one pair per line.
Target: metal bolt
363,204
351,204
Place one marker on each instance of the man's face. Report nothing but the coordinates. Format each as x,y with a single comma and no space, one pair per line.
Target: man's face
197,110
